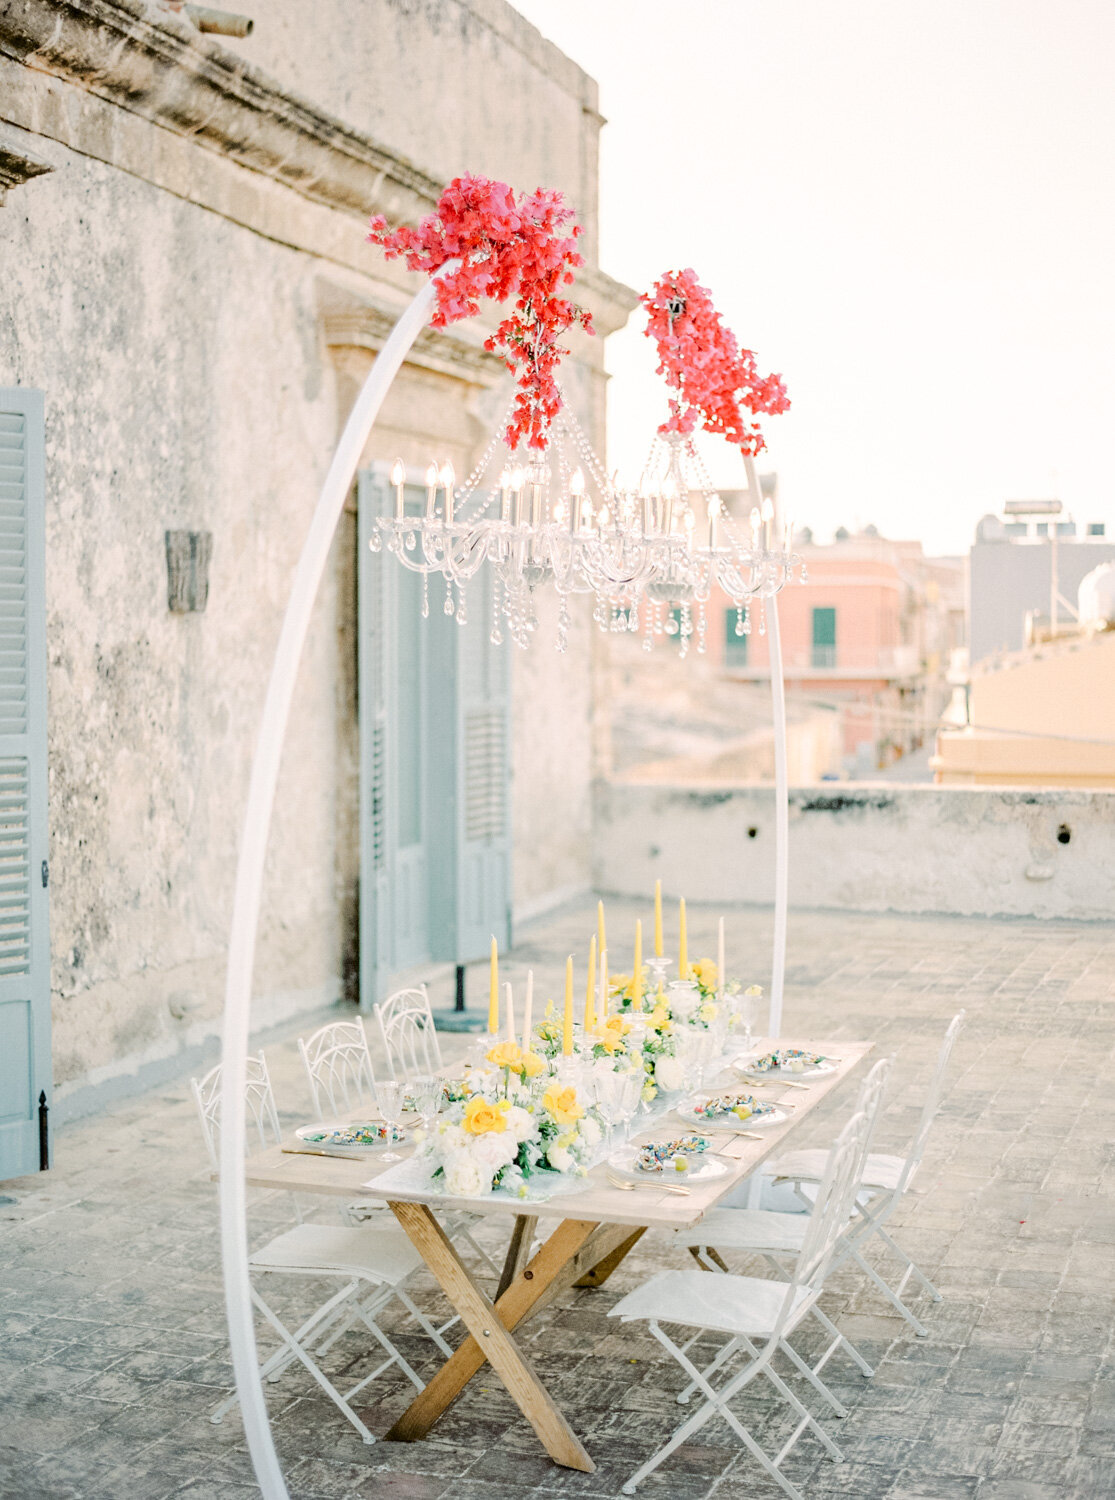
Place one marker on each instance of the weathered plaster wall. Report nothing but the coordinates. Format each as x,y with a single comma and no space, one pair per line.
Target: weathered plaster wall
172,296
442,82
175,398
866,848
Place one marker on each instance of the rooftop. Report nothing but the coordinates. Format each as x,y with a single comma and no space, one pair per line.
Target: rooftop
111,1305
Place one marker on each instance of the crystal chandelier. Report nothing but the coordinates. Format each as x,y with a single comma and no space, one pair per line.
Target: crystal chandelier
649,555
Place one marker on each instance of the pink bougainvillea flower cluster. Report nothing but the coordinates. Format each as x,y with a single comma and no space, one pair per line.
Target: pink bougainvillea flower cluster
526,249
702,360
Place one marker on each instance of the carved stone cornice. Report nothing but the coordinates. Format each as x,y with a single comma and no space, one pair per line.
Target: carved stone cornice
143,58
147,60
440,349
17,164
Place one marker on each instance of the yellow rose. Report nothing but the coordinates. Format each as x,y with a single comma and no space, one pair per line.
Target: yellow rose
706,974
532,1064
753,989
481,1117
562,1104
660,1018
611,1034
506,1055
708,1011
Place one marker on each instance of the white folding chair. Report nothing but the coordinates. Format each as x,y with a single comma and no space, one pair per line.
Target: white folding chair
338,1064
757,1315
372,1264
776,1236
406,1024
885,1180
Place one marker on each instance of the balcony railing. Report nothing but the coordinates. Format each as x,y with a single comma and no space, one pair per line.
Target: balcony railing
834,661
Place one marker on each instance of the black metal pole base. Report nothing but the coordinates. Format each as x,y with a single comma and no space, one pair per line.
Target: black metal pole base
458,1019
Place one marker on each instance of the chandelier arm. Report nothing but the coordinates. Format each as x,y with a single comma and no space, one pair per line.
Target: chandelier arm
249,882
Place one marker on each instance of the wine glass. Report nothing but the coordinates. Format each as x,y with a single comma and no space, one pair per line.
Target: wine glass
426,1089
631,1096
607,1088
390,1097
750,1007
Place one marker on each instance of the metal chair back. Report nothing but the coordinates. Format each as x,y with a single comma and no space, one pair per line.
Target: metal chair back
259,1099
406,1024
339,1066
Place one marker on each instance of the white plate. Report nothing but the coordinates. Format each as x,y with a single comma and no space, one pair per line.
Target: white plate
702,1168
324,1138
730,1121
816,1070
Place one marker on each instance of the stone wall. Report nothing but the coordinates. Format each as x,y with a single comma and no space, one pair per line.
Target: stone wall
864,847
191,288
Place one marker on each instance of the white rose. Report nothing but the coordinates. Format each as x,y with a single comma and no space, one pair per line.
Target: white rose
590,1131
464,1177
494,1149
559,1158
520,1123
453,1137
669,1074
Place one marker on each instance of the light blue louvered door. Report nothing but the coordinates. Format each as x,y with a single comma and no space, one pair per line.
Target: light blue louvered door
25,1072
434,815
483,704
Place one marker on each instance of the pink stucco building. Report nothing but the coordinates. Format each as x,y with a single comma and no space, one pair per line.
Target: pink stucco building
869,631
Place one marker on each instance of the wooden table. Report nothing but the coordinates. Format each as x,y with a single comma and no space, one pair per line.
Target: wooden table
597,1226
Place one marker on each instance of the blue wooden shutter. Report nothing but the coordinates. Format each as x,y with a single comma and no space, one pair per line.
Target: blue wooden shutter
374,580
483,779
25,1070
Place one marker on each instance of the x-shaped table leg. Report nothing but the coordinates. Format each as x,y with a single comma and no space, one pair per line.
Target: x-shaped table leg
575,1246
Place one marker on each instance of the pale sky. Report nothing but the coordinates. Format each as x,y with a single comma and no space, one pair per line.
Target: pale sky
905,207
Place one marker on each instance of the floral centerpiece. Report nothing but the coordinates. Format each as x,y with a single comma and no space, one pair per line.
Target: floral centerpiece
520,1124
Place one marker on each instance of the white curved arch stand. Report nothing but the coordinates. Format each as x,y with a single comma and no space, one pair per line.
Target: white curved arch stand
249,883
781,788
253,851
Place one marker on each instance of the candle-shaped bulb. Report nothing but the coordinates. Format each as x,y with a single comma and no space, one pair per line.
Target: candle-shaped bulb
577,481
447,478
755,519
431,489
768,509
516,478
604,517
398,472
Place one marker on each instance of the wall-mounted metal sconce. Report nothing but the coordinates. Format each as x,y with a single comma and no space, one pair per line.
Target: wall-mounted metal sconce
187,570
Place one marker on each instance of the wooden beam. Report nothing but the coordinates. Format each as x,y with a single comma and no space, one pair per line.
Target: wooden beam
492,1337
518,1251
604,1268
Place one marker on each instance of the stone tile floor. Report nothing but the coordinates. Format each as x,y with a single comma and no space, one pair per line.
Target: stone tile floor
110,1298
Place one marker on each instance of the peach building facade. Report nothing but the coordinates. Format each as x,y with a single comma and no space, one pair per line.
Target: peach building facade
868,631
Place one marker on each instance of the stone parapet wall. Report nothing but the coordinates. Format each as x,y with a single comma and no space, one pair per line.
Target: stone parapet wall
863,847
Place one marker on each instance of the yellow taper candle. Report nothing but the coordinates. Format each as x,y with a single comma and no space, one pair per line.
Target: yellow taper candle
637,976
590,988
604,984
567,1030
683,946
658,919
493,992
601,939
